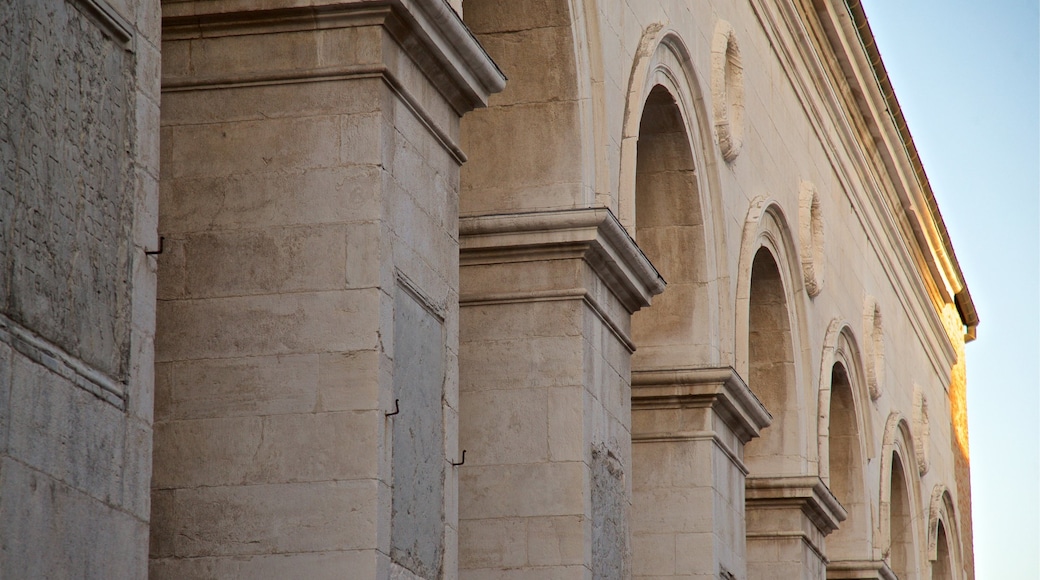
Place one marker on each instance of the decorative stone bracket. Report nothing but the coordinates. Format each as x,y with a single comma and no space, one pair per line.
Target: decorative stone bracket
718,389
593,235
807,494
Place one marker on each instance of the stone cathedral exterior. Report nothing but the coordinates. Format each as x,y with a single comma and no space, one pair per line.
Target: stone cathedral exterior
520,289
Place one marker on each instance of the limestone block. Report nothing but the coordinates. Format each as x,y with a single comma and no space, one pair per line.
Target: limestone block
317,566
254,103
566,407
494,542
544,489
556,541
350,381
660,509
487,17
6,379
137,469
216,150
520,363
42,516
530,81
541,573
268,325
248,450
66,432
238,386
267,261
269,519
506,424
512,175
260,199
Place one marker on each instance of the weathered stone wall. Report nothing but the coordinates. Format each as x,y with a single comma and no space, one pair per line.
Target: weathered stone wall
78,114
794,154
306,394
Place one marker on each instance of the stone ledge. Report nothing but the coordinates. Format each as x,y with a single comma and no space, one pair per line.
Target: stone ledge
429,31
808,493
722,389
859,570
53,358
593,235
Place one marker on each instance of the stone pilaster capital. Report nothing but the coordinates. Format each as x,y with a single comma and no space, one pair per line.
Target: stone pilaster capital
721,389
859,570
593,235
807,493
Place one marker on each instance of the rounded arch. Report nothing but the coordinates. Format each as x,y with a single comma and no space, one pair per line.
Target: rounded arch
770,318
944,545
900,494
665,110
840,347
845,441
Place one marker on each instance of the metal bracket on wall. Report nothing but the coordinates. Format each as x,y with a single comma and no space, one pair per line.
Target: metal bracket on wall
460,462
397,408
156,252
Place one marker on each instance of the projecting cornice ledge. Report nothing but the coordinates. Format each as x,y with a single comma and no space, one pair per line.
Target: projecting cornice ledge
722,389
809,493
429,31
592,234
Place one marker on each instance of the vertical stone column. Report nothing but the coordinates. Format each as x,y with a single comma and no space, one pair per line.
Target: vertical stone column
79,115
689,428
307,393
545,399
787,521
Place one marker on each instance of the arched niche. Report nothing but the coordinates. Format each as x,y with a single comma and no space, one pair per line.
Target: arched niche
768,350
666,202
541,48
900,539
673,332
944,548
845,441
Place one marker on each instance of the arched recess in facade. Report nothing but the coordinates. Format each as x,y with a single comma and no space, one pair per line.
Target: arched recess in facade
845,441
543,50
770,322
944,548
666,202
900,494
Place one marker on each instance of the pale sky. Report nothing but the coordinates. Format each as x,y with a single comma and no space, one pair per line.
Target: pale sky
966,75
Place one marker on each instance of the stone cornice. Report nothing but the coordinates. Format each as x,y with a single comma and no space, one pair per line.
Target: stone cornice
429,31
846,33
721,389
593,235
859,570
852,152
808,493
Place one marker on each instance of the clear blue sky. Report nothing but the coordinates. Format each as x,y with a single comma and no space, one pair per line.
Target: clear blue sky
966,75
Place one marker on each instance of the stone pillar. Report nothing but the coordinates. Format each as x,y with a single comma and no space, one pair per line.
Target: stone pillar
787,521
79,150
307,387
546,302
689,428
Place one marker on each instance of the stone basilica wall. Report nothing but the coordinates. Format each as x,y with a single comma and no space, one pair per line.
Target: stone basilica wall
79,111
525,289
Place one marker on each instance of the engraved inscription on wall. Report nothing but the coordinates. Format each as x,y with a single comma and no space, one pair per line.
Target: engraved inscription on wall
417,520
66,204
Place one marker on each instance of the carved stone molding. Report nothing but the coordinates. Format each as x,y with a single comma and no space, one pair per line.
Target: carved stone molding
874,345
811,238
859,570
720,389
921,430
592,235
727,90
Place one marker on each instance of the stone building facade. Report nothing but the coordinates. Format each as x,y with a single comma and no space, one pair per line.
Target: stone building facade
675,300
